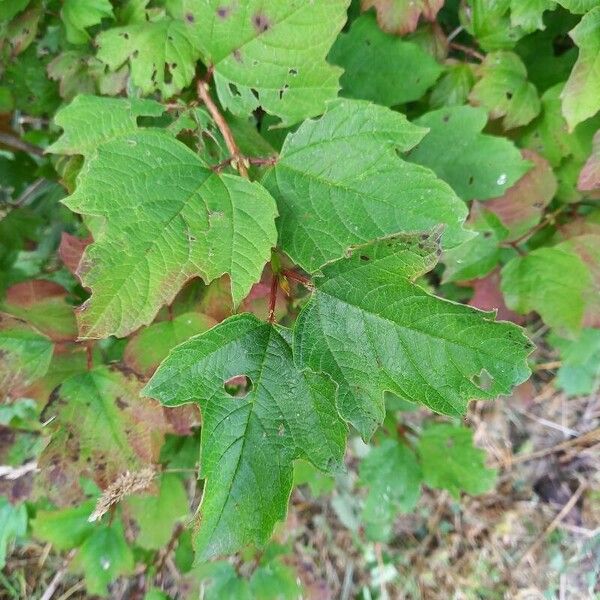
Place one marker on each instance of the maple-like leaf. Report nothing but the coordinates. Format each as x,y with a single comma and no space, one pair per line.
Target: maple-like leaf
581,94
579,6
78,15
327,204
528,14
249,443
271,54
402,16
561,283
393,475
382,67
450,461
100,428
162,54
158,216
475,164
504,91
372,329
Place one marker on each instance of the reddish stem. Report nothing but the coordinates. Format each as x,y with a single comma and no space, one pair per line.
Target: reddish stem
273,298
294,276
89,355
467,50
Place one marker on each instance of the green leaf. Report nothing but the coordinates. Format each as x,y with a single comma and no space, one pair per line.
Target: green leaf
475,164
373,330
156,515
581,94
221,581
148,347
249,443
100,428
382,67
579,6
402,16
275,581
528,14
64,529
43,305
555,282
103,557
489,22
326,204
271,54
393,475
479,255
161,54
78,15
25,356
453,87
319,483
177,219
451,462
13,524
522,206
504,91
579,372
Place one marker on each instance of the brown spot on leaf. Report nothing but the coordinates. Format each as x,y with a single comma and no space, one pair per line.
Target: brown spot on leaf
261,22
223,12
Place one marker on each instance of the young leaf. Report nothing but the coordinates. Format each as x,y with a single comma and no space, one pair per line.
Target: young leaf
504,91
489,22
271,54
249,443
101,428
521,207
453,87
149,346
382,67
558,282
326,204
160,217
103,557
475,164
162,54
156,515
581,94
579,372
78,15
64,529
451,462
579,6
528,14
402,16
393,475
13,524
25,356
372,329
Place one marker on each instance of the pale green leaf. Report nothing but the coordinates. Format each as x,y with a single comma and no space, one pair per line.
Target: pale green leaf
249,443
103,557
156,515
581,94
159,218
579,372
372,329
528,14
161,54
579,6
393,475
551,281
271,54
64,529
451,462
327,204
382,67
475,164
13,524
504,90
78,15
453,87
489,22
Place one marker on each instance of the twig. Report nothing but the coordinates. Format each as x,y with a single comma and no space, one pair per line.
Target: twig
467,50
590,436
236,156
547,220
266,161
12,141
47,595
565,510
161,559
548,366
